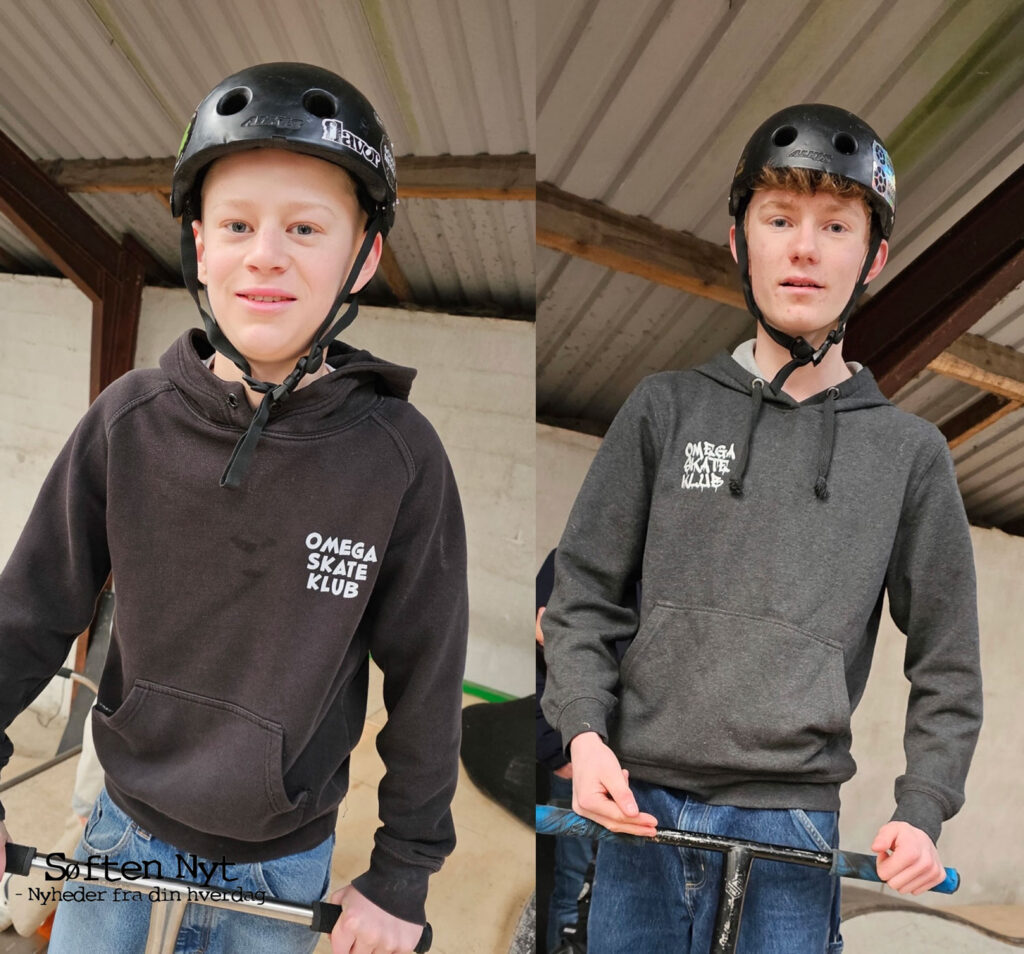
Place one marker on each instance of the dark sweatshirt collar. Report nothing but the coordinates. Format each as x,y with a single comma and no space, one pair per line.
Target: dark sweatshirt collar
356,381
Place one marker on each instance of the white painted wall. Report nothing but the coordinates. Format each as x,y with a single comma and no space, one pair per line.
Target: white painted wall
45,332
475,384
984,840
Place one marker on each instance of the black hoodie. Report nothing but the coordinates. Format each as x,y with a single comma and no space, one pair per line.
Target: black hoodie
766,532
236,681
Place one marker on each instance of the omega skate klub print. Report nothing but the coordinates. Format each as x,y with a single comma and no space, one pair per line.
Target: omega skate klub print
706,465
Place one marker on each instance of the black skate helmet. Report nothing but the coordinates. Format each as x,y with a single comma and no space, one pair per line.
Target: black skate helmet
292,106
824,139
305,109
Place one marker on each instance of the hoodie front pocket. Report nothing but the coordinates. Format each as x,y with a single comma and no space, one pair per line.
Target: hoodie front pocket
721,693
208,764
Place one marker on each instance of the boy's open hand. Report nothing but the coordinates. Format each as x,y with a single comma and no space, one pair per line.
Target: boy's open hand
908,860
364,928
600,788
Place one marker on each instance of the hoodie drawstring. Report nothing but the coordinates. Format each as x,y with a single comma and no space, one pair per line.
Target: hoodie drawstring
756,395
828,440
825,448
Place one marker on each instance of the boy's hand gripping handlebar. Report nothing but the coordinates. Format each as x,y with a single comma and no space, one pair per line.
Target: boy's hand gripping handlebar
319,916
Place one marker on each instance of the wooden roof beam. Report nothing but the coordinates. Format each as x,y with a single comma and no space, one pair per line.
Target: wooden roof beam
500,178
633,244
983,364
977,416
111,275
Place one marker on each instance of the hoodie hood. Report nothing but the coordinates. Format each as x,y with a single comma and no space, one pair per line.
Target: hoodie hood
856,393
357,381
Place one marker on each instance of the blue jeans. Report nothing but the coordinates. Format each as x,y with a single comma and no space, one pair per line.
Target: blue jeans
118,923
662,900
572,858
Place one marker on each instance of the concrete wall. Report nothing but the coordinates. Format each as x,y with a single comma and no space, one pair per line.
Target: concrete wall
475,384
984,840
45,331
563,458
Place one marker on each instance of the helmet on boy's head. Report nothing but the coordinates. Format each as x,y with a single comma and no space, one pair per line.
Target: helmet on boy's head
292,106
824,139
304,109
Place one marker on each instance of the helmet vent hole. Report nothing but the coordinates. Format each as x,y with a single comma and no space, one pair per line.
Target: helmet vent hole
320,104
844,143
784,135
234,101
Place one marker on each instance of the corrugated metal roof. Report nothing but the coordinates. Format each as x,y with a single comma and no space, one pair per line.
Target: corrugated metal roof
120,78
646,107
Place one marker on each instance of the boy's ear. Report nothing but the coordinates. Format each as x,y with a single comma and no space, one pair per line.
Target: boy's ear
732,243
881,257
370,265
197,235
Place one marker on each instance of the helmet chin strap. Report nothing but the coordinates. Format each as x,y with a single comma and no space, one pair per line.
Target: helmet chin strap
801,351
273,394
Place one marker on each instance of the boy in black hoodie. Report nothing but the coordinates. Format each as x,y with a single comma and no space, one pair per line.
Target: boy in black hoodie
769,500
259,558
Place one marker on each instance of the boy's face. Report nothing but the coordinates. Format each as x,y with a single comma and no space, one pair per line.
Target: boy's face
279,233
806,253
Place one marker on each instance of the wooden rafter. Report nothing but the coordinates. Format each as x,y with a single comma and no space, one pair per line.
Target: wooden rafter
983,413
630,243
392,273
109,273
435,177
984,364
468,177
993,368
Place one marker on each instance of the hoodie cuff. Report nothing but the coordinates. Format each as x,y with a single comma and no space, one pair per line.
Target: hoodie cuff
397,887
922,811
581,715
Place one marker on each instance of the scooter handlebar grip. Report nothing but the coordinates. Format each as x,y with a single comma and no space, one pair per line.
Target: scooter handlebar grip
852,864
19,858
325,916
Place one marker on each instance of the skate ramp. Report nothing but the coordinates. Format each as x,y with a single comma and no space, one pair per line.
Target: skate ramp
877,923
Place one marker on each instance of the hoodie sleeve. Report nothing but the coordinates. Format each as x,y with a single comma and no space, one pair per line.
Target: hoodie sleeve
933,600
418,622
598,563
48,588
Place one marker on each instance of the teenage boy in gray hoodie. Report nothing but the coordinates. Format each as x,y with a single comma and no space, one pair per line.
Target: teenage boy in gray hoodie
768,500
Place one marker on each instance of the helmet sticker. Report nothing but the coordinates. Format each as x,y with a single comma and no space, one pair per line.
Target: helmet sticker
278,122
823,157
185,136
389,162
883,176
335,131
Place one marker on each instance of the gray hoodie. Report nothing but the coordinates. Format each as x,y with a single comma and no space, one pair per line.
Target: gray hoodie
765,532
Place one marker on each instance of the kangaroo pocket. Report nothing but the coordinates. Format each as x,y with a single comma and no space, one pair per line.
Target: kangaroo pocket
725,694
208,764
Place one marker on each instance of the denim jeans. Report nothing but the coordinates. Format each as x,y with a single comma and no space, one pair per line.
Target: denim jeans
572,858
120,926
662,900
